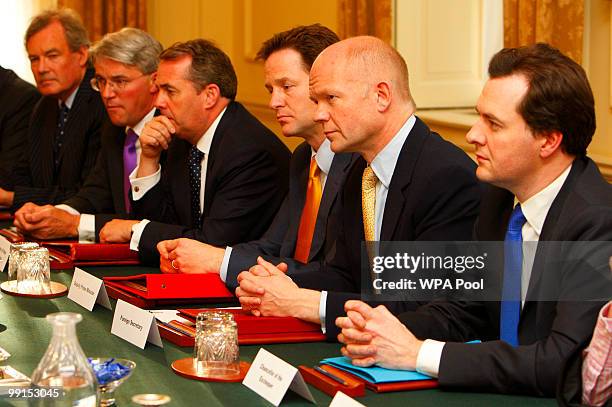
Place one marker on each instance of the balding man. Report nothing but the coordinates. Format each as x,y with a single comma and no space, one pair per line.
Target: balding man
536,120
416,186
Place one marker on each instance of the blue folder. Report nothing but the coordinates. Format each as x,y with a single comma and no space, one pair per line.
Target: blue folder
375,374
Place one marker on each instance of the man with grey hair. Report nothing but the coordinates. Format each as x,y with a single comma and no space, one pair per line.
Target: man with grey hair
125,63
225,175
64,129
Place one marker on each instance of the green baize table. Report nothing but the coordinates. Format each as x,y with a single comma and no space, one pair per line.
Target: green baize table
25,334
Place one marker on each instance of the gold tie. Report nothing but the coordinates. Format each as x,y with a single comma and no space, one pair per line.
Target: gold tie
309,213
368,202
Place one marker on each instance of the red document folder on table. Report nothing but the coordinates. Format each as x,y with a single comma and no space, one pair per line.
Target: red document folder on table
65,254
150,290
95,254
254,330
326,385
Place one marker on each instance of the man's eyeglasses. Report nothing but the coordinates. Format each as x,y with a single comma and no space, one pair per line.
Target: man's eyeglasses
99,84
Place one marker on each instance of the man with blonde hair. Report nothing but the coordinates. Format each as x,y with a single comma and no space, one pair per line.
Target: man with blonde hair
125,62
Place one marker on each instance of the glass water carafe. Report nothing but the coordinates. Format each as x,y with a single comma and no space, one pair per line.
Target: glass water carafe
64,366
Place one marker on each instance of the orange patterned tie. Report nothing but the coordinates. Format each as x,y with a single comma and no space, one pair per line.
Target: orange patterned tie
309,213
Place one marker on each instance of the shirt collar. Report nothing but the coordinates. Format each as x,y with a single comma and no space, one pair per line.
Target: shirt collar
205,141
70,100
536,208
324,156
140,125
384,163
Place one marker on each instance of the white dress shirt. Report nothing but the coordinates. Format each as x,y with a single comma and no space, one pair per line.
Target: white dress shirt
141,186
324,157
535,210
87,222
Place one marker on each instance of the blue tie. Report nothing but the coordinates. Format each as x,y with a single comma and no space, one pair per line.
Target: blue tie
195,173
511,291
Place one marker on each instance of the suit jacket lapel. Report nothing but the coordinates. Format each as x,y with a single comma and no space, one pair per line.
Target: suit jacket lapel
225,123
72,131
297,198
333,184
549,232
41,160
179,170
401,179
115,169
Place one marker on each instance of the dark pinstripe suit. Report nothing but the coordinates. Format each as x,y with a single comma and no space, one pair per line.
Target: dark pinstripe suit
34,179
17,99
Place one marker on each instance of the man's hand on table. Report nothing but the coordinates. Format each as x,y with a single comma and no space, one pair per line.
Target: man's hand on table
6,197
46,222
375,336
189,256
117,231
265,290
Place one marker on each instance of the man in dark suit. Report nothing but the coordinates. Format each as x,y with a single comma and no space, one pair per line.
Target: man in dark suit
64,129
288,57
409,184
225,175
125,62
17,99
536,120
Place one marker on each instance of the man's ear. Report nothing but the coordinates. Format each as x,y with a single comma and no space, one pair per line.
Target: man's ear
153,86
212,93
550,142
383,96
83,55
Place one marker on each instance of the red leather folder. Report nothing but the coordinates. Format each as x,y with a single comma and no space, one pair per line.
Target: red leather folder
65,254
353,386
380,387
150,290
12,235
95,254
254,330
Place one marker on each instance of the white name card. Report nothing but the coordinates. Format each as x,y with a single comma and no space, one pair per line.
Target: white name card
135,325
87,290
271,377
5,250
342,400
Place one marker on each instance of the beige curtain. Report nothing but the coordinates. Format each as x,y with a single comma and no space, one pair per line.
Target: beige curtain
104,16
557,22
365,17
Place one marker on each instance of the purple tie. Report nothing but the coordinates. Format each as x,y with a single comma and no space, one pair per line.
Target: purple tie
129,163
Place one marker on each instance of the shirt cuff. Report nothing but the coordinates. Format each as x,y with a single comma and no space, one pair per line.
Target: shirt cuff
68,208
142,185
322,306
87,224
428,359
225,264
87,228
137,229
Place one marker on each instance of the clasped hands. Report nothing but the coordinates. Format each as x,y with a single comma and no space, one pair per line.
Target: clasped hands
374,336
45,222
